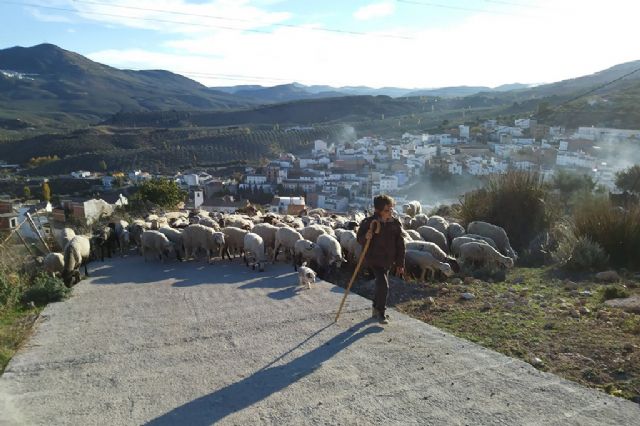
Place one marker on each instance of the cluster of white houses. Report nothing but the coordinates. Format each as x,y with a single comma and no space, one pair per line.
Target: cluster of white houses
344,176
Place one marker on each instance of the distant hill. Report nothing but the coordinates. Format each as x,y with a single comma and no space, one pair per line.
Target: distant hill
45,80
297,91
462,91
281,93
302,112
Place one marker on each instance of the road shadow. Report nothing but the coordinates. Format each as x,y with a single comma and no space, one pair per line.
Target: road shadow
185,274
236,397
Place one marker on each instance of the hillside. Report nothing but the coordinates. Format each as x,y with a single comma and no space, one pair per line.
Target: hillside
157,150
296,91
306,112
280,93
45,82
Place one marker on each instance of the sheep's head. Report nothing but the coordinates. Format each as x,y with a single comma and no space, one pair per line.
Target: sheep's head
218,237
446,269
70,277
507,262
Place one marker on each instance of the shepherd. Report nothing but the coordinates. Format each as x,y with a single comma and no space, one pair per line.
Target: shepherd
386,251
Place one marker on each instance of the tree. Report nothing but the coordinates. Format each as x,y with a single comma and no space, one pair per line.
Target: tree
162,192
568,183
46,191
102,165
26,192
629,179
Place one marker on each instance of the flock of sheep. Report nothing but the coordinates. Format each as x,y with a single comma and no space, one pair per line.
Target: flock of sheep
315,242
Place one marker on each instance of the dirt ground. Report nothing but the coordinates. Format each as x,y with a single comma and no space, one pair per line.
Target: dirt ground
556,322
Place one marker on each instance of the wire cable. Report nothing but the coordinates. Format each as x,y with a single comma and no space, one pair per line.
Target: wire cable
195,24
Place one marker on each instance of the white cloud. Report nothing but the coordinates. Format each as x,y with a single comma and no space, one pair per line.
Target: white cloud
179,16
484,49
375,10
45,17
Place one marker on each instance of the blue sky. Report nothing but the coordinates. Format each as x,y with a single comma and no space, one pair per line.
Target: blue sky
408,43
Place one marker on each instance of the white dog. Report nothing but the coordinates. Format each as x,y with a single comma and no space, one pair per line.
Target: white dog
306,275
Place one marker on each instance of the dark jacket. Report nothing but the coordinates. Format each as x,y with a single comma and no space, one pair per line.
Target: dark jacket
387,247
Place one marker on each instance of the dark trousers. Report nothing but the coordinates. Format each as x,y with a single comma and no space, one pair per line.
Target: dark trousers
382,288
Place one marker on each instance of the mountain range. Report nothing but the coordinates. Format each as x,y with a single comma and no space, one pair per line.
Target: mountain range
297,91
47,87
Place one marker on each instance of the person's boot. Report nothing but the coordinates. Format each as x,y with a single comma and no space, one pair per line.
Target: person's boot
374,313
383,318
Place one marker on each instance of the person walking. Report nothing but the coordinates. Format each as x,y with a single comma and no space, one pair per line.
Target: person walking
386,251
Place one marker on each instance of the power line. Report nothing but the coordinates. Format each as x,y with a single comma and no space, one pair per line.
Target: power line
229,76
461,8
171,12
510,3
194,24
595,89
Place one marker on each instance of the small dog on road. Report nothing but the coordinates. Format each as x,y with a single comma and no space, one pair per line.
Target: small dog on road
306,275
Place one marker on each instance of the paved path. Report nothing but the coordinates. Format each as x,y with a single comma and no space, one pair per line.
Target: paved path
196,344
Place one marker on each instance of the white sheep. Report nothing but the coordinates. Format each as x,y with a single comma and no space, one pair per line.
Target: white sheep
496,233
76,254
123,235
136,228
157,244
439,223
254,251
209,222
306,275
53,263
426,262
346,240
286,238
415,235
175,236
428,247
308,252
234,240
197,236
339,231
483,238
412,208
312,232
419,220
67,235
237,221
268,233
459,241
455,230
476,252
431,234
332,251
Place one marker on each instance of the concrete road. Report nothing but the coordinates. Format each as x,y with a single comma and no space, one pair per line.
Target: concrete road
197,344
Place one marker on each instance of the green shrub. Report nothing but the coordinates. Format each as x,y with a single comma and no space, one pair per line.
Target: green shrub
11,288
517,201
45,289
578,253
614,292
615,229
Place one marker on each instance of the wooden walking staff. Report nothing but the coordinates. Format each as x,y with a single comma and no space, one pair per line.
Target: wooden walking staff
370,233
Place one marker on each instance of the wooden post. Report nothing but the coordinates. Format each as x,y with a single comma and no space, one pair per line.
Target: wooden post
35,228
25,244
